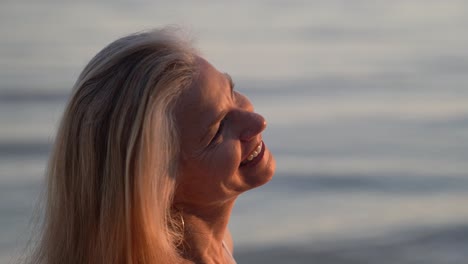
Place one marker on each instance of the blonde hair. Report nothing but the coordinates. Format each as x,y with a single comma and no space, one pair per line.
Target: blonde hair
111,175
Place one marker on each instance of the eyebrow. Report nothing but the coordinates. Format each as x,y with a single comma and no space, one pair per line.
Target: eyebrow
231,84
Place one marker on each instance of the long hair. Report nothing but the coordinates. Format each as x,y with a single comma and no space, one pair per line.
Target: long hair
111,174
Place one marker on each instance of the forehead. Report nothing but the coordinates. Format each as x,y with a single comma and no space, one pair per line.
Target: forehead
201,103
209,82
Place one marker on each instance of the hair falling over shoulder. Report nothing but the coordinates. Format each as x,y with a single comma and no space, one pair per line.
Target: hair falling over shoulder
111,174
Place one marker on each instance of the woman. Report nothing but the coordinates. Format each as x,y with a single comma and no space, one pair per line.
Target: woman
153,149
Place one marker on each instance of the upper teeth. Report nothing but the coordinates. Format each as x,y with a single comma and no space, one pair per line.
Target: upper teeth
255,153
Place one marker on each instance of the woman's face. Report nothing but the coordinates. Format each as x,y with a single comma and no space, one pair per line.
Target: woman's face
222,152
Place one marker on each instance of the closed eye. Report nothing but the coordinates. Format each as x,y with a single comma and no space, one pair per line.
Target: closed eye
218,132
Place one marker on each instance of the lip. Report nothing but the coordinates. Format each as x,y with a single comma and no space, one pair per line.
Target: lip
257,159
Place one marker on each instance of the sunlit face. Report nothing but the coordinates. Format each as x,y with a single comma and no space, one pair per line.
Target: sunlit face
222,152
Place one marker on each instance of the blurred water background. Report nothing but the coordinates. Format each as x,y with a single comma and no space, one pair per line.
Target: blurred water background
367,103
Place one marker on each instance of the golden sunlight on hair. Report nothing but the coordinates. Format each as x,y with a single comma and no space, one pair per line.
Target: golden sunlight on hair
111,173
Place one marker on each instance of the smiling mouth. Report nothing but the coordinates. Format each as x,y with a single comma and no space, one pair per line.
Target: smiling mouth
255,156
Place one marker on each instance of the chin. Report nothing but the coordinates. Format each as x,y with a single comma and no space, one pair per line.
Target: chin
263,174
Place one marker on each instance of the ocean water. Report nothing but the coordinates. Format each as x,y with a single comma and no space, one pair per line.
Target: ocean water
366,102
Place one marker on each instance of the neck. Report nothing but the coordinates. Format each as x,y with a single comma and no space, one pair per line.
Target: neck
204,231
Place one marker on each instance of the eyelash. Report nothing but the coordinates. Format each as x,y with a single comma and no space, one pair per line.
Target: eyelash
220,130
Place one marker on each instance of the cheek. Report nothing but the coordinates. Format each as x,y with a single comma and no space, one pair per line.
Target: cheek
212,167
224,160
211,176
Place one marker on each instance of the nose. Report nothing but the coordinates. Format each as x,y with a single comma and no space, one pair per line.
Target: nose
252,125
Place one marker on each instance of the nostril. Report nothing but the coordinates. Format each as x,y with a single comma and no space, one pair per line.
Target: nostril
246,135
